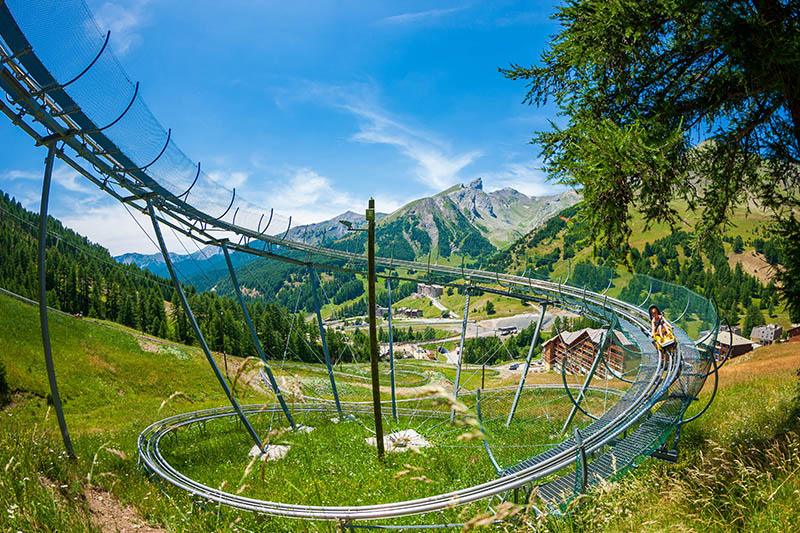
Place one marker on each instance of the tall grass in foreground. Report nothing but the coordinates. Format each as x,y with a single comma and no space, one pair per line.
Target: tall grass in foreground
739,471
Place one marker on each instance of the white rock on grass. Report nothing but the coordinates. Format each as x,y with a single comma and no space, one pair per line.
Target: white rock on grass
401,441
272,453
304,429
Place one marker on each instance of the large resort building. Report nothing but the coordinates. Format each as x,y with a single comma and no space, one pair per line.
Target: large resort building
580,348
766,334
431,291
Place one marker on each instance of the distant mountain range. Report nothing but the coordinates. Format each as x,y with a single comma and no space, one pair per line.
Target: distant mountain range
468,213
203,262
463,219
328,231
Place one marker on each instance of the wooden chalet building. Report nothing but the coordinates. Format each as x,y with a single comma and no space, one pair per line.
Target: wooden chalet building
581,346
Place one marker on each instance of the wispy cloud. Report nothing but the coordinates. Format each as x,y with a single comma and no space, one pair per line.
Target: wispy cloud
420,16
124,21
121,236
12,175
230,179
63,176
527,177
437,165
70,180
310,197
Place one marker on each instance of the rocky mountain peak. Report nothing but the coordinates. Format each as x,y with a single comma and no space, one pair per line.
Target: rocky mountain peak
476,184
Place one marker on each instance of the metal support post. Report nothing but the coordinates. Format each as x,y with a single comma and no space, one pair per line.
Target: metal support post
259,349
580,464
48,353
527,366
391,351
460,353
162,245
324,342
483,430
588,379
373,330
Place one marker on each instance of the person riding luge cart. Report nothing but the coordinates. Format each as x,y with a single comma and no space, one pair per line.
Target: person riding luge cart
661,331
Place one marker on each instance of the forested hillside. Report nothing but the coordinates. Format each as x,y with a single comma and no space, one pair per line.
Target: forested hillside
82,278
561,246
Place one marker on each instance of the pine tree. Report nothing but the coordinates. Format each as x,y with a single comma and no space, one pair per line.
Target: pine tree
752,319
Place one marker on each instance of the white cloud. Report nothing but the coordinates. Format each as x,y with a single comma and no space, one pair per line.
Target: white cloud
70,180
438,166
124,20
63,175
310,197
108,224
230,179
12,175
434,167
526,177
420,16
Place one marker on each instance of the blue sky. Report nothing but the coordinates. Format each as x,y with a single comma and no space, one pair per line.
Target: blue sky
311,107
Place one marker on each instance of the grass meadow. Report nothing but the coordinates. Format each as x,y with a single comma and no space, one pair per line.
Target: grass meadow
739,466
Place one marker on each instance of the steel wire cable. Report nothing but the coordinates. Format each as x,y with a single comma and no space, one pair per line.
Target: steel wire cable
110,262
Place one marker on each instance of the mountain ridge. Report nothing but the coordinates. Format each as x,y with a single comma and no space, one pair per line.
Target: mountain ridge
461,219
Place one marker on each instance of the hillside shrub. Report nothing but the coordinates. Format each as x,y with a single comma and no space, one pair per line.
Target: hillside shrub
5,390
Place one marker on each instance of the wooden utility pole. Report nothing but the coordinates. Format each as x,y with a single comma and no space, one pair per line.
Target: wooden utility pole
373,331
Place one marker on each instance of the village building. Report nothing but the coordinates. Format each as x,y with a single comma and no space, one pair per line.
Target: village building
793,333
431,291
736,330
766,334
738,345
580,348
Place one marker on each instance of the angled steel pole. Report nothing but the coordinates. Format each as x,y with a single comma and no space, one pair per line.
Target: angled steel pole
196,327
391,351
589,376
527,366
460,353
373,330
324,342
267,369
48,353
580,464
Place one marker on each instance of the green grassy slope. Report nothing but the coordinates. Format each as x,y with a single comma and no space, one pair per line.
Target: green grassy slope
105,376
563,245
738,465
111,389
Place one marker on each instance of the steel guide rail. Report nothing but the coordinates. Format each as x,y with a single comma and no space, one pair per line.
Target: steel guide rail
509,388
653,391
31,88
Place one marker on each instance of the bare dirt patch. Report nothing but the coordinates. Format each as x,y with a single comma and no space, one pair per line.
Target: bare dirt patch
243,376
753,264
148,346
100,363
109,515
